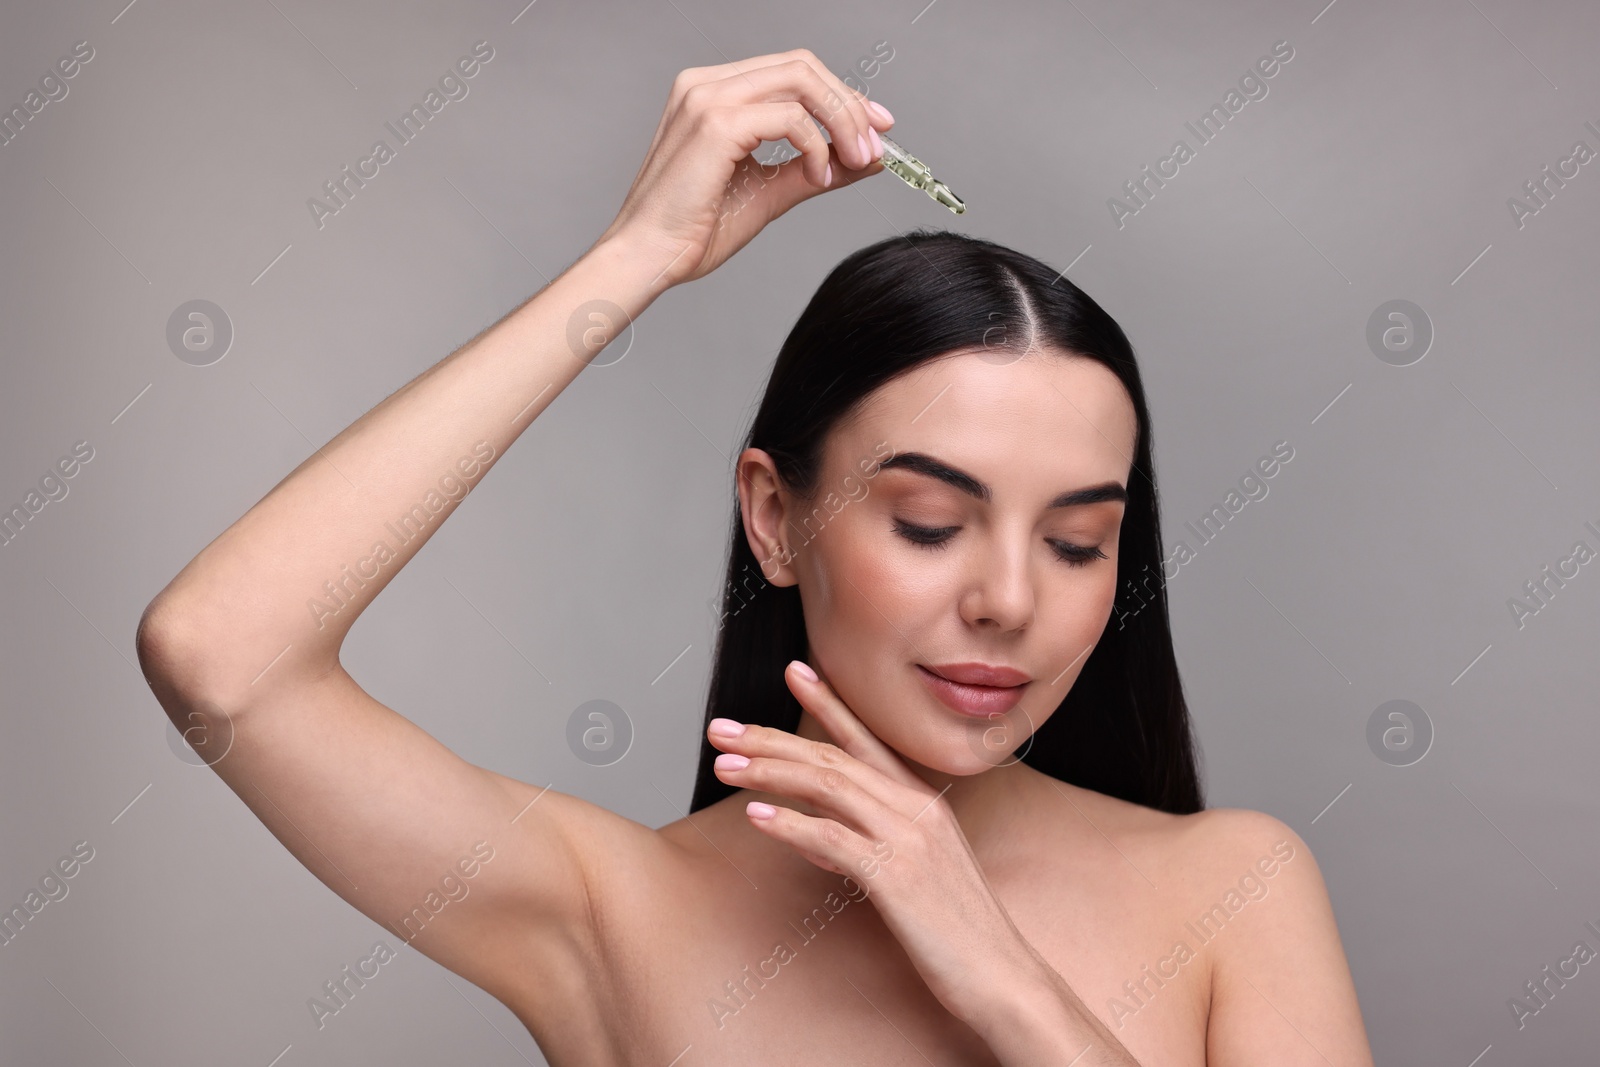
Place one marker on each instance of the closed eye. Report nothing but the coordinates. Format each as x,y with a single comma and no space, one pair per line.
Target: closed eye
938,537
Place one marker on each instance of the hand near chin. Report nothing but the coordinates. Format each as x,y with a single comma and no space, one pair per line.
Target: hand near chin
882,825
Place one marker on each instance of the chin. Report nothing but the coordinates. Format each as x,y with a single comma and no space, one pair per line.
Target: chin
958,748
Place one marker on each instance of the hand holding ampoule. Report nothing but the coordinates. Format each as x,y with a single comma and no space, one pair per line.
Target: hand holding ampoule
701,195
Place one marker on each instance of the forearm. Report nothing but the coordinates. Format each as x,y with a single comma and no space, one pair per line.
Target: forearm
284,583
1041,1021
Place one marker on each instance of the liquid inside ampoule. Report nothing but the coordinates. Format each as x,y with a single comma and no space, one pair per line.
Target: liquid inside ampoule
916,174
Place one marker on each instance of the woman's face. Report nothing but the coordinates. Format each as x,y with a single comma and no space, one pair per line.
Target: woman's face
932,541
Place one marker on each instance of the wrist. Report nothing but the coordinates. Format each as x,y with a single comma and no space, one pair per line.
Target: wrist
640,272
1031,999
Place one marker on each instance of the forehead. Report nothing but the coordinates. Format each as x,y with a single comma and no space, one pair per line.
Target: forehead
1050,417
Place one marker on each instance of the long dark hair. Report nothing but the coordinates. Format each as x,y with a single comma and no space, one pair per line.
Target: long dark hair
1123,729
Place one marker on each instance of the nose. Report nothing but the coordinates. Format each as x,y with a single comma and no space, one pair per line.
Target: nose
1000,592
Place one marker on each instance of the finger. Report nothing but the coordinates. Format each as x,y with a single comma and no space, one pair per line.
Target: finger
745,126
689,77
790,182
819,862
868,117
824,790
840,110
771,745
847,731
838,848
692,76
882,118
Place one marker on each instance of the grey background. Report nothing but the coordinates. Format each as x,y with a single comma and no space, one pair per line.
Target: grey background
1379,567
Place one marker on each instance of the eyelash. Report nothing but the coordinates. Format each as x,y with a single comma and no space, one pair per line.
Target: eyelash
938,537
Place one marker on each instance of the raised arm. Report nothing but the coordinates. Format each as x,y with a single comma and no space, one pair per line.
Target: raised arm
483,873
242,650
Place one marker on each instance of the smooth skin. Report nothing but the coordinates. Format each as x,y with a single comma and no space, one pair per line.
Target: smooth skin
998,912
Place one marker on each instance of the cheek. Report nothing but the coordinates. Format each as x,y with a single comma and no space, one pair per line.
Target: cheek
1088,608
1076,621
860,599
1101,594
866,608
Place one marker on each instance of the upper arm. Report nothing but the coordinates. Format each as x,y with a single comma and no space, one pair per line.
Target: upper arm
1281,990
479,872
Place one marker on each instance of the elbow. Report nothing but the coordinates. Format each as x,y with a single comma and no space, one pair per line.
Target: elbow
166,651
183,654
195,654
152,640
173,660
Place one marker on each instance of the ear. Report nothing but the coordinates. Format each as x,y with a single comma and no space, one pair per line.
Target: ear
763,509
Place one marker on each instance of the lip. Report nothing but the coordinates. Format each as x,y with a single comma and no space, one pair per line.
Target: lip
981,674
969,698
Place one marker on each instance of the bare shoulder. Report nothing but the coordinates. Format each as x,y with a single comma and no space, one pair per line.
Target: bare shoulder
1250,871
1218,840
1191,848
1281,987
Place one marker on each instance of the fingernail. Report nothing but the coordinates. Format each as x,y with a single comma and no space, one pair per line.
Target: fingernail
827,177
866,149
731,761
803,669
725,728
877,143
757,810
881,111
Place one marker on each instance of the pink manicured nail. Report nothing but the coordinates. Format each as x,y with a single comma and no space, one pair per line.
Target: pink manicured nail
731,761
804,670
827,176
757,810
881,111
725,728
866,149
877,142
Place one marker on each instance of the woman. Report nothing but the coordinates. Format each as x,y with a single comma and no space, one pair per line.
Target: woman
955,817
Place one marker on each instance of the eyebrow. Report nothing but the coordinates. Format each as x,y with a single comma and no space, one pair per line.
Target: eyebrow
923,463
